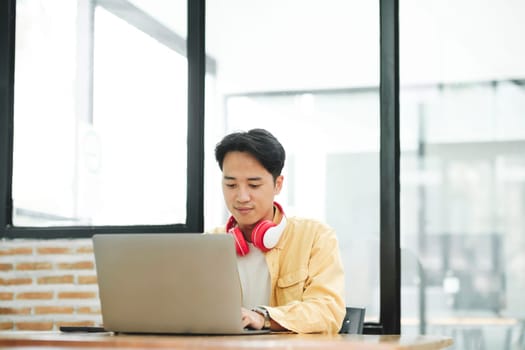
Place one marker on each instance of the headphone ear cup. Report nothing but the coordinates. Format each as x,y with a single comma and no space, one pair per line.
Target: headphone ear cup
258,233
241,246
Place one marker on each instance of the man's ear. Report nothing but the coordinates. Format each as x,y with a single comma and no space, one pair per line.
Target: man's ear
278,184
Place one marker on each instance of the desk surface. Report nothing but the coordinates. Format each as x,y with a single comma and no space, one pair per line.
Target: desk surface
288,341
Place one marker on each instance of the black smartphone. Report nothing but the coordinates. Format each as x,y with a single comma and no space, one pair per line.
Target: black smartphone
82,329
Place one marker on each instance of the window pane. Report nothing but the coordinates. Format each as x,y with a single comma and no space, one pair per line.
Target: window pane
103,141
44,113
140,113
463,170
308,72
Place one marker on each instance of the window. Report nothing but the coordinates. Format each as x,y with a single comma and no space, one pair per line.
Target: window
320,98
348,69
118,159
140,120
100,118
463,169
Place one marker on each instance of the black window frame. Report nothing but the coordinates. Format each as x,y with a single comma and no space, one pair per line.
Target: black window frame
192,48
390,274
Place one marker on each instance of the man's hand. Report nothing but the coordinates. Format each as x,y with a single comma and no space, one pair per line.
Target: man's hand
251,319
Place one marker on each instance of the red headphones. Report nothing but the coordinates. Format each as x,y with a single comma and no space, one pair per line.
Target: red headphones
264,236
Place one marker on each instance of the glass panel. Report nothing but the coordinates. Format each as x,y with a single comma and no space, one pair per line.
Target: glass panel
103,141
44,113
463,171
140,114
305,83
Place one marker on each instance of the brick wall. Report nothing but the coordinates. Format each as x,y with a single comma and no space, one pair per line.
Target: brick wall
47,283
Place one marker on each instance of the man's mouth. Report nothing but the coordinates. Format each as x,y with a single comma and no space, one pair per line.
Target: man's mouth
243,210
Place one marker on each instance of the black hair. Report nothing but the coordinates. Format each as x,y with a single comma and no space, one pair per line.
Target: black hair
260,143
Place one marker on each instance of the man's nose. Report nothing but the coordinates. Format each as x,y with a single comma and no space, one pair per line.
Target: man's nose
243,194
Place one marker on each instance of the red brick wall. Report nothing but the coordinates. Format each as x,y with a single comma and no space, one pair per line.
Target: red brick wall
47,283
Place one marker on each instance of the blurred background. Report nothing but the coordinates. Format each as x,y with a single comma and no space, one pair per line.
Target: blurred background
100,122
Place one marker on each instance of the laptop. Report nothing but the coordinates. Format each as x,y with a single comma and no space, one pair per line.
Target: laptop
169,283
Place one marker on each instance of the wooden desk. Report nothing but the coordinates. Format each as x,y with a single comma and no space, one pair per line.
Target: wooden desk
288,341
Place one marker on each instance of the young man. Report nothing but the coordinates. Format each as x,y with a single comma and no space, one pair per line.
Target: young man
290,268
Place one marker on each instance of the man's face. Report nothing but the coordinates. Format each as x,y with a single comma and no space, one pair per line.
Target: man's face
248,189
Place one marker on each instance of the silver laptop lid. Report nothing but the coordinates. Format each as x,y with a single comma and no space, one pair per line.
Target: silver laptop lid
168,283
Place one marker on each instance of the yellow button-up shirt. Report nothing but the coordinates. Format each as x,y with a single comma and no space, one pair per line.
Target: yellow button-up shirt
307,278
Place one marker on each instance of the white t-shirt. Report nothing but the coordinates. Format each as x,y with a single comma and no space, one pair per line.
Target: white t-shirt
255,278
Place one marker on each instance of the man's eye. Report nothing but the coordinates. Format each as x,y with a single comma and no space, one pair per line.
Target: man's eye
230,185
254,185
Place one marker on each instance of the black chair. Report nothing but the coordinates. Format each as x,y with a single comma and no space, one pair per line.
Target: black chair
354,320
